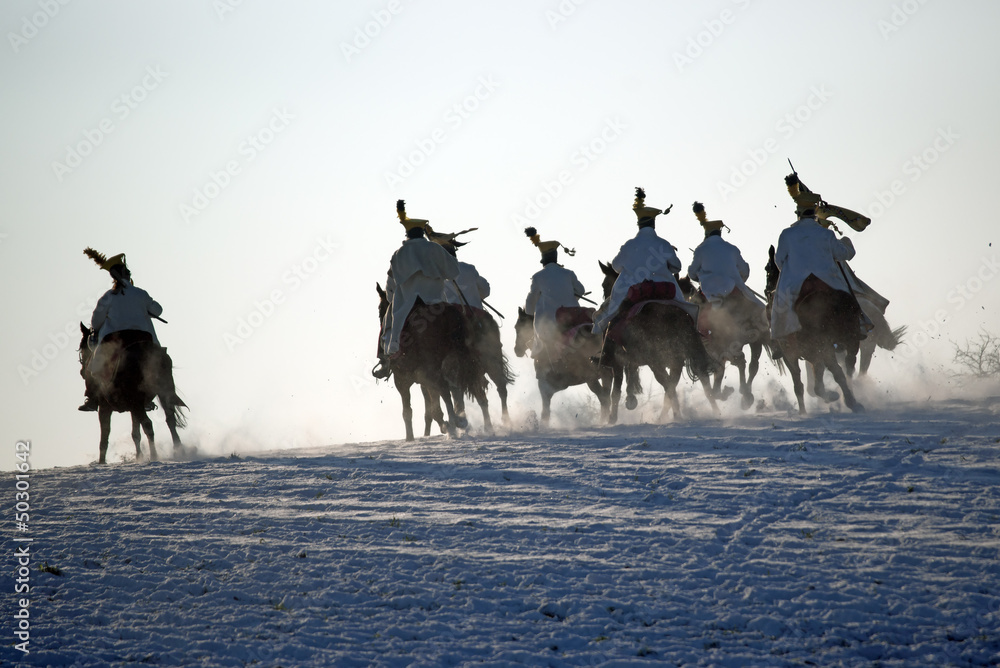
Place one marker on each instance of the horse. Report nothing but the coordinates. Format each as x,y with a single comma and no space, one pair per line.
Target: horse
660,335
830,325
732,327
435,352
574,366
142,370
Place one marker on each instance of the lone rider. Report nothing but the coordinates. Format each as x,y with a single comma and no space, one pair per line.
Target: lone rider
124,315
418,269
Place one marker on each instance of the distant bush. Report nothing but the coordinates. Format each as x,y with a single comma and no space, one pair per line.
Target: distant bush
979,357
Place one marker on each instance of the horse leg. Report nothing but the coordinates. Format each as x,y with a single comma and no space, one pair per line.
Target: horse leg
428,410
147,426
841,378
546,391
484,403
456,420
632,386
716,390
104,416
612,379
501,384
755,350
136,434
669,382
603,393
867,350
819,371
792,362
404,395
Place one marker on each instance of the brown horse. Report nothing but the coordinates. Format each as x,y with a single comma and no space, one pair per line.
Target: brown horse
140,371
436,351
661,336
830,321
575,366
736,324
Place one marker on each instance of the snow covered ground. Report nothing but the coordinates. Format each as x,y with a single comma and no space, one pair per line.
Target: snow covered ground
762,539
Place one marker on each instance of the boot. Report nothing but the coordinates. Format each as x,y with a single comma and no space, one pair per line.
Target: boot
382,370
89,405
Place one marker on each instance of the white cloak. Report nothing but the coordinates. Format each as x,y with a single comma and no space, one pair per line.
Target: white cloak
131,308
418,268
645,257
474,287
552,287
805,248
719,268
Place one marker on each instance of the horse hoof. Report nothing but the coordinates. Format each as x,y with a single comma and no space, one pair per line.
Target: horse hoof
461,422
725,393
747,401
831,396
858,408
631,402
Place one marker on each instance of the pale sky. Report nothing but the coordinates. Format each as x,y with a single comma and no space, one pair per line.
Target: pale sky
247,157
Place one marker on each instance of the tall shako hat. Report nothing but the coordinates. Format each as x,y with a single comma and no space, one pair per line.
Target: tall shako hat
709,225
644,212
446,239
106,263
408,223
545,246
805,199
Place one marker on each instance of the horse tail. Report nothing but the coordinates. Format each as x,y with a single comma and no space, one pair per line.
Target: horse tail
698,361
893,338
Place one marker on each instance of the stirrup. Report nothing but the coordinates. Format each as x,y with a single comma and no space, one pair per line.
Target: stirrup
382,370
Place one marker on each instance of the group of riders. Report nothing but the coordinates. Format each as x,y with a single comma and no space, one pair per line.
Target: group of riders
425,268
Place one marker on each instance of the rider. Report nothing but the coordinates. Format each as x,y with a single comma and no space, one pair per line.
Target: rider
721,271
418,269
124,313
645,257
553,287
805,248
474,288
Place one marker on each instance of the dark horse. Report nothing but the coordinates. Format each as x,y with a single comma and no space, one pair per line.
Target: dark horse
574,366
830,321
734,325
661,336
140,371
436,351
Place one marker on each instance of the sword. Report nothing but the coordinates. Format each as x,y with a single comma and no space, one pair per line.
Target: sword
493,309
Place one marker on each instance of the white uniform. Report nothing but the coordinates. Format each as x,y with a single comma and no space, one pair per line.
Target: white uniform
719,268
552,288
645,257
805,248
130,308
418,268
474,287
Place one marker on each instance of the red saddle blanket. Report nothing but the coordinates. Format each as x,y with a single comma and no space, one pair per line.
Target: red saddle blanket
648,290
571,319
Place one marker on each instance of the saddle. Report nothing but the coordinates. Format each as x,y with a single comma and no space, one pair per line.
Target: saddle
572,319
638,296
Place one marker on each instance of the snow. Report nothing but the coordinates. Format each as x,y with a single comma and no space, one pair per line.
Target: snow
761,539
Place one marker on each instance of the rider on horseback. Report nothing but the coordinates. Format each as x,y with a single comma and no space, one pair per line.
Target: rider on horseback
418,269
469,288
805,249
553,288
721,271
123,314
645,257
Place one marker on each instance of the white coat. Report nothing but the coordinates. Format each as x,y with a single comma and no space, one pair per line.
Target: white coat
418,268
719,268
552,287
130,308
474,287
645,257
805,248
